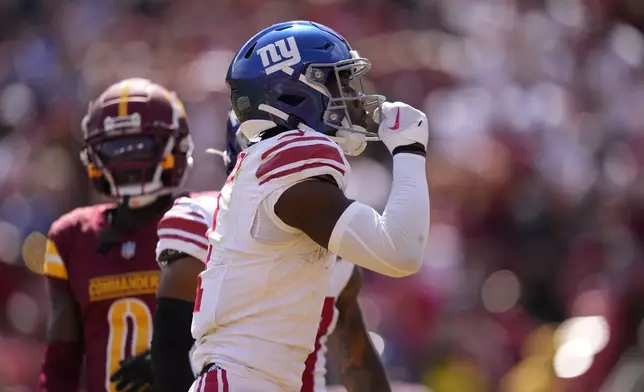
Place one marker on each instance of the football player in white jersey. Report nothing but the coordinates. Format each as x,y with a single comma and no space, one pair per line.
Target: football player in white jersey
282,216
182,251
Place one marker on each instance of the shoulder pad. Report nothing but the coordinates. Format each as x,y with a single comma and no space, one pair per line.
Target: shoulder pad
64,232
297,155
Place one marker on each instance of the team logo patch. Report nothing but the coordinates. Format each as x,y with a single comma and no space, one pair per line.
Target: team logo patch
280,56
128,249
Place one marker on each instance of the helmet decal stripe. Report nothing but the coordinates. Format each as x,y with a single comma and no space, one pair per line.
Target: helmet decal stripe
178,109
122,109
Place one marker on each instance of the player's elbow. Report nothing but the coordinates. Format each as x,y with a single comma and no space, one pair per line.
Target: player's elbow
178,279
405,263
406,248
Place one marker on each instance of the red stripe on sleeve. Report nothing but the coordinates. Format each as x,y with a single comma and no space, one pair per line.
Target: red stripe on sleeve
195,214
300,154
299,169
187,225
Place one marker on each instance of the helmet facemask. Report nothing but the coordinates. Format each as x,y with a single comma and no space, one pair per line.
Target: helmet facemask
342,83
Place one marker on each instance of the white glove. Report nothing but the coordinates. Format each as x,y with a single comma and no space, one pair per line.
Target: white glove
401,125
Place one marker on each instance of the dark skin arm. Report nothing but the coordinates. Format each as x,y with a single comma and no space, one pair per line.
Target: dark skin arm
64,323
178,282
64,353
360,367
179,279
314,207
172,340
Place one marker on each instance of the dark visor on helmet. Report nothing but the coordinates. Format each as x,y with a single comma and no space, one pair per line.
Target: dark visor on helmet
133,149
130,160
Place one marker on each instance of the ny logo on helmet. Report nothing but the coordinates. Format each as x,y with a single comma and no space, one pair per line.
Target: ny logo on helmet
280,56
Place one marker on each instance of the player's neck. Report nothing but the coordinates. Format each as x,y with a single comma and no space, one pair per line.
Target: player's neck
125,217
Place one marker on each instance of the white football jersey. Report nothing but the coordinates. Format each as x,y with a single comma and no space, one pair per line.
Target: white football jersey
314,376
183,229
261,296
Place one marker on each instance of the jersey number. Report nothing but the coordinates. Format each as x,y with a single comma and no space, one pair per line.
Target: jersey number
230,179
133,338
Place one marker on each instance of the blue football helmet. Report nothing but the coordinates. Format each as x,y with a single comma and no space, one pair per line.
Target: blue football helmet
302,74
235,143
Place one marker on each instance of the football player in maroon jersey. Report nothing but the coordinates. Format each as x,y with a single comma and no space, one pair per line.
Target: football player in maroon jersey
100,260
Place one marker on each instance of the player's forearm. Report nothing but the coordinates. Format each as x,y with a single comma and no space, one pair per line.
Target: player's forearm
171,344
61,368
359,363
367,377
393,243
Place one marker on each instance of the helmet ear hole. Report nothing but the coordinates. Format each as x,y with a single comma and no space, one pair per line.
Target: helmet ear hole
334,116
291,100
318,75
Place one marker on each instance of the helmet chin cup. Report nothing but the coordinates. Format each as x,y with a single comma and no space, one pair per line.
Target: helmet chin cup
377,115
352,143
142,201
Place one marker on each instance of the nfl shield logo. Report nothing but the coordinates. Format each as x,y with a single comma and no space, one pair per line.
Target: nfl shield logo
127,249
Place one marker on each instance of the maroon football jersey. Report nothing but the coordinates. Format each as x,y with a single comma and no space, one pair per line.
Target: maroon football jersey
116,291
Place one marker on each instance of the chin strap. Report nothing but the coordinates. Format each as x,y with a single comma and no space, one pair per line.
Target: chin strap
109,238
352,143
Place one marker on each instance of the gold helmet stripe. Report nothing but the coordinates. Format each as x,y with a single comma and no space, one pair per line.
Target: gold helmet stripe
123,99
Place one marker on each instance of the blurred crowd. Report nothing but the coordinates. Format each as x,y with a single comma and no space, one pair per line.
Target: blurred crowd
534,275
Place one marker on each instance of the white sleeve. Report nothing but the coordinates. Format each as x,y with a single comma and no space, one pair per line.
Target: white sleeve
183,229
393,243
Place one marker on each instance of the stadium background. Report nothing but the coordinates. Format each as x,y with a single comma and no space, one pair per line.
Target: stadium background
534,273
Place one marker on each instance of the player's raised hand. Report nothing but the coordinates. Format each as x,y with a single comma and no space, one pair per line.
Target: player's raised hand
135,374
401,125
